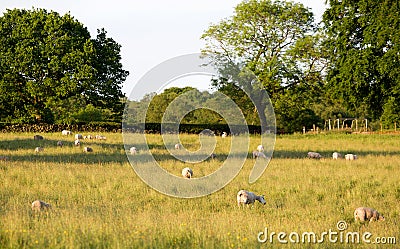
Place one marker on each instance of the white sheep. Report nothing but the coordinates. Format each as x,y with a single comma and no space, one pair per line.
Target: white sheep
38,149
366,213
39,205
178,146
87,149
37,137
247,197
100,137
133,150
350,157
66,132
257,154
314,155
77,142
60,143
78,136
336,155
260,148
224,134
187,172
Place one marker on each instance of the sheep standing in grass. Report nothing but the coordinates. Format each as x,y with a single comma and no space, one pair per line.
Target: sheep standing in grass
87,149
314,155
3,158
257,154
187,172
60,144
260,148
66,132
336,155
224,134
37,137
39,205
366,213
99,137
133,150
77,142
247,197
350,157
38,149
178,146
78,136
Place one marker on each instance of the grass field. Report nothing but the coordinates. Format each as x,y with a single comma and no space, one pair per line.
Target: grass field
99,202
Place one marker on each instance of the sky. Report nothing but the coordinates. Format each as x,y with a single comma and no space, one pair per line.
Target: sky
151,31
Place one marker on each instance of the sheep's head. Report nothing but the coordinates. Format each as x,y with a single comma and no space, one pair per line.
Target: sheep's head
262,200
381,218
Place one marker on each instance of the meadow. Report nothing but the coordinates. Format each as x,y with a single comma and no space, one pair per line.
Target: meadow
98,201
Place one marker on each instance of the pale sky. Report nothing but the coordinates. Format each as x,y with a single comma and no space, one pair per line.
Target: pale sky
150,31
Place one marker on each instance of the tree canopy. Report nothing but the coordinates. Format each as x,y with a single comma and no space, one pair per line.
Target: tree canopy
51,68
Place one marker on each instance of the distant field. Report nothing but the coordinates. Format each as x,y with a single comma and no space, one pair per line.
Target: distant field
99,202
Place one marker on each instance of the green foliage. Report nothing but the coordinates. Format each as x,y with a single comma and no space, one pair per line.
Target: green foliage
47,59
391,113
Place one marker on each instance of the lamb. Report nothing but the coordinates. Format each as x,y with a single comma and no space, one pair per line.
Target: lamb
247,197
37,137
60,143
314,155
78,136
133,150
257,154
187,172
178,146
38,149
260,148
66,132
366,213
77,142
350,157
100,137
87,149
224,134
336,155
39,205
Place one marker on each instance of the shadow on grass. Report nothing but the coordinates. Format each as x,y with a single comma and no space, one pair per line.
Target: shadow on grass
328,154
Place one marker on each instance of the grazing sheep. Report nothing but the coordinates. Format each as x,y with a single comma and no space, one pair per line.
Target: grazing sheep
314,155
350,157
257,154
37,137
224,134
77,142
133,150
178,146
38,149
247,197
3,158
187,172
39,205
260,148
66,132
366,213
60,143
100,137
78,136
87,149
336,155
88,137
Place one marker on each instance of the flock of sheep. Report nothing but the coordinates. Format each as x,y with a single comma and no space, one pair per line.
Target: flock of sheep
335,155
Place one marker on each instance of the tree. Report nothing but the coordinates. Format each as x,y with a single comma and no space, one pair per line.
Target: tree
272,39
47,59
364,48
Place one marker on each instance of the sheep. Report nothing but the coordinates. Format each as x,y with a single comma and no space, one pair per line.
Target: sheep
178,146
247,197
350,157
37,137
87,149
38,149
60,143
77,142
100,137
187,172
257,154
366,213
336,155
39,205
78,136
3,158
314,155
88,137
133,150
260,148
224,134
66,132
